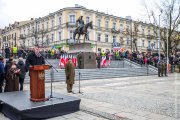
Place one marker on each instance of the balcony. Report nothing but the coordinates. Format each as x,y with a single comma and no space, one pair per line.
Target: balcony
150,36
113,30
22,36
70,24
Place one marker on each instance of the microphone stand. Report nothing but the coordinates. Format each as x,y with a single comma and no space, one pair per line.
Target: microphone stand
79,73
52,77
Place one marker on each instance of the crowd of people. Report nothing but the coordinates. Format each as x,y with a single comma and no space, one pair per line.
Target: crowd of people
12,73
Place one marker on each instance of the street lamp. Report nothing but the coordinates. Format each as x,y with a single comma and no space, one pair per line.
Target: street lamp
167,56
159,39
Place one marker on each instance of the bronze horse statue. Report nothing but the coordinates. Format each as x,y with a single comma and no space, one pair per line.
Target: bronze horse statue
83,31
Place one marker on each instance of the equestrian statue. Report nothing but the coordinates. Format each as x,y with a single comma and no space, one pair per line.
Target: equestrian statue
82,29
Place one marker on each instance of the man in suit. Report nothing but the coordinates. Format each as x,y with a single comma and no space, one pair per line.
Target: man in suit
35,58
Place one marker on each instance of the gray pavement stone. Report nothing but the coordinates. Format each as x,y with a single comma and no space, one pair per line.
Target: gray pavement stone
146,97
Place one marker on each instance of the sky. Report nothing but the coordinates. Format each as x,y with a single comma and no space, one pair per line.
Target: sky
20,10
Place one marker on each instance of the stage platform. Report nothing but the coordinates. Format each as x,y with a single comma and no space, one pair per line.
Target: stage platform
17,106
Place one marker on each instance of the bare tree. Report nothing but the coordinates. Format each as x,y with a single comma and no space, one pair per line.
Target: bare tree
170,21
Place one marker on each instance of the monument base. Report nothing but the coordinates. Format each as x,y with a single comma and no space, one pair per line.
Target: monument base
18,106
85,56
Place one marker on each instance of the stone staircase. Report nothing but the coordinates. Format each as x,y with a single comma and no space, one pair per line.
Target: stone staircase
89,74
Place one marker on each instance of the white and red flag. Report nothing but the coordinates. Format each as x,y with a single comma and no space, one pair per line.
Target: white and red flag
74,60
62,62
103,62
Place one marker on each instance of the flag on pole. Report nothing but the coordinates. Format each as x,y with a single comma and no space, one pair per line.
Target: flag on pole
74,60
103,62
61,62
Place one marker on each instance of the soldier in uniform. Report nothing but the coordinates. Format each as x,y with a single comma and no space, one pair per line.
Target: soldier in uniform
98,58
70,75
159,65
81,23
165,68
80,60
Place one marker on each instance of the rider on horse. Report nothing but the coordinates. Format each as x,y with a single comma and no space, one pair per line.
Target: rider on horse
81,24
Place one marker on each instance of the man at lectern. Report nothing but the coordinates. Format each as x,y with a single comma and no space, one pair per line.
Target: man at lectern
35,58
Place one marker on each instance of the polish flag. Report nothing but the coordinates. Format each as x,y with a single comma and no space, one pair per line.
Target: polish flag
61,62
74,60
103,62
65,59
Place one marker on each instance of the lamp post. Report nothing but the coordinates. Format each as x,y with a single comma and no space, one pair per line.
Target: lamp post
131,36
167,56
159,40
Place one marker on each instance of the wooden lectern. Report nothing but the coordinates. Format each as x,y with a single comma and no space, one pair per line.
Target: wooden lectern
37,82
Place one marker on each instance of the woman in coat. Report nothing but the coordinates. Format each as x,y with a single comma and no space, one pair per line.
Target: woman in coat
12,79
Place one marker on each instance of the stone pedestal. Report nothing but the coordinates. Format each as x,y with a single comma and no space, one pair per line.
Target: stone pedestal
86,58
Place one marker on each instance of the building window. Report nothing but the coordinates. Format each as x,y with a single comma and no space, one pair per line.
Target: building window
107,24
59,35
38,29
98,37
33,29
128,41
52,37
47,39
15,37
106,38
52,23
28,31
87,19
149,44
121,26
114,25
148,32
24,32
143,31
128,27
114,39
99,23
72,19
42,26
47,25
71,34
142,43
59,20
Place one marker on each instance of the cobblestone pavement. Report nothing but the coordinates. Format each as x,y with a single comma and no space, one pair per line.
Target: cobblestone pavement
136,98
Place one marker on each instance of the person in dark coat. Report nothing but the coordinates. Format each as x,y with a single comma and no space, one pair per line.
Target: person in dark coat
98,58
7,52
70,75
1,73
8,65
23,70
80,60
12,79
35,58
159,66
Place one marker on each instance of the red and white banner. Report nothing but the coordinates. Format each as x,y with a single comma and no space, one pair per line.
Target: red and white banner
64,59
62,62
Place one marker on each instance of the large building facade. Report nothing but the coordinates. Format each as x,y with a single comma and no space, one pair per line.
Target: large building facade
56,29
